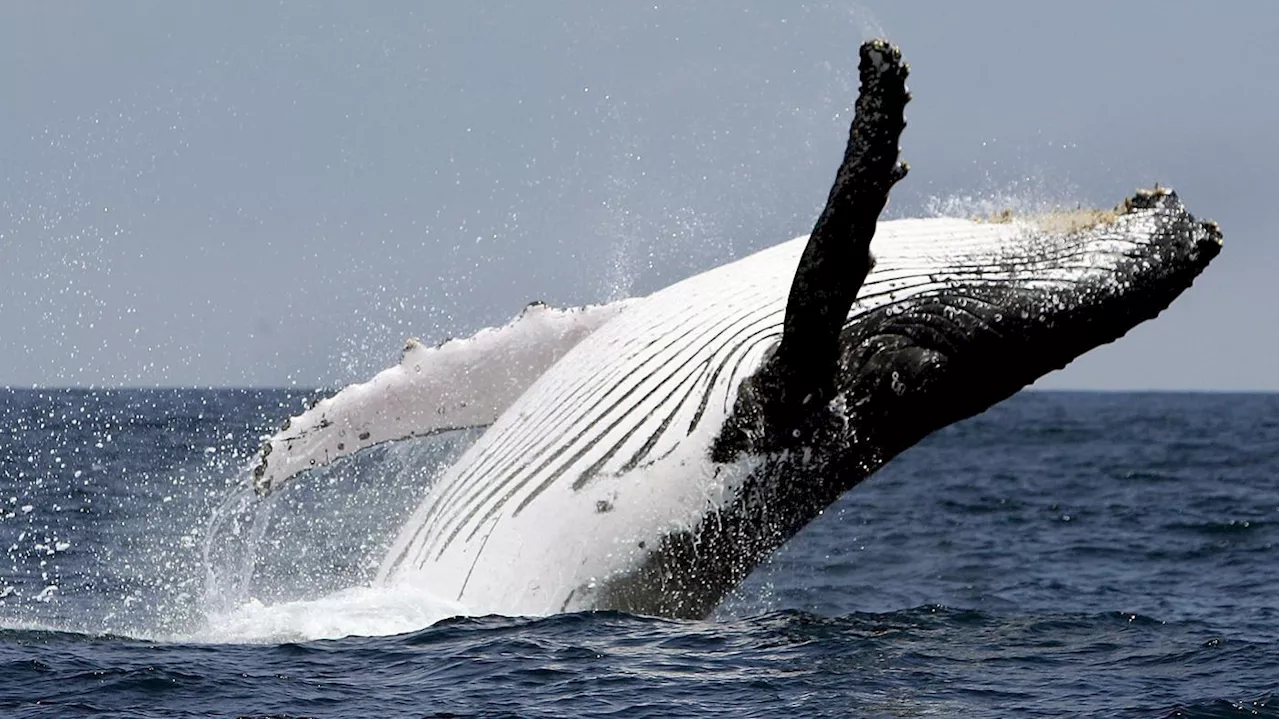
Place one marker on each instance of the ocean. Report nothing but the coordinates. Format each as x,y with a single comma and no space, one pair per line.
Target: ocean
1062,554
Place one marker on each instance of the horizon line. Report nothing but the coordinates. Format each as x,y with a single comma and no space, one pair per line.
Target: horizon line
322,388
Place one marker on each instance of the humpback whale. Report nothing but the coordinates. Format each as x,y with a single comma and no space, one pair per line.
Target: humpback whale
646,455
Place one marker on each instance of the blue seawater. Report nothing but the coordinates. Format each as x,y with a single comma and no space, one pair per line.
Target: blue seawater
1063,554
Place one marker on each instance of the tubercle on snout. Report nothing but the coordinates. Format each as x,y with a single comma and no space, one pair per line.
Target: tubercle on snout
1164,197
1144,199
1213,231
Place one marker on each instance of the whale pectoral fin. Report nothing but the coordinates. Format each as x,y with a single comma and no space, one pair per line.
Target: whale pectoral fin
775,403
457,384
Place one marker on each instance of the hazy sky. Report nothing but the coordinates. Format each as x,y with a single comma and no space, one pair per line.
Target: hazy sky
274,194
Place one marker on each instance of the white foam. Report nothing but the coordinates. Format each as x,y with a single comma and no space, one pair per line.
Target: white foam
356,611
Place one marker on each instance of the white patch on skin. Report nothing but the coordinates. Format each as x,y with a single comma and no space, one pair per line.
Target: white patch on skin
459,383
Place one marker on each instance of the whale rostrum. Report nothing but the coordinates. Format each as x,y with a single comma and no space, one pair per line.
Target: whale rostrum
646,455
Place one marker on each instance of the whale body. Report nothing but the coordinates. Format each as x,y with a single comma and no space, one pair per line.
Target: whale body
596,485
646,455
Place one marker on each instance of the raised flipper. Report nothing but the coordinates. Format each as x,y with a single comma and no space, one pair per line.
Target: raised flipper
777,404
457,384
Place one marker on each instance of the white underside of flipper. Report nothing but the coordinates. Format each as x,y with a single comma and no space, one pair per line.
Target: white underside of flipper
460,383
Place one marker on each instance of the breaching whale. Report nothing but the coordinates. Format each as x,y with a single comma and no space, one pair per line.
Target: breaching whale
646,455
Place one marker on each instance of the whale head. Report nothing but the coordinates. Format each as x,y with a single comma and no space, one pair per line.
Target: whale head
1013,309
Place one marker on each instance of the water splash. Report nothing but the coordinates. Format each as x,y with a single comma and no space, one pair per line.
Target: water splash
299,565
354,611
227,577
1029,195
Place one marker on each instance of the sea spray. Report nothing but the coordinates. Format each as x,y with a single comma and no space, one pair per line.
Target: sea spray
299,564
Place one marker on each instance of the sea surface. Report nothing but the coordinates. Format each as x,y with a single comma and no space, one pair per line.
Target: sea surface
1063,554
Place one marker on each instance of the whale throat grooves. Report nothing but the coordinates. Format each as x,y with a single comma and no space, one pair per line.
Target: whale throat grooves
776,407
